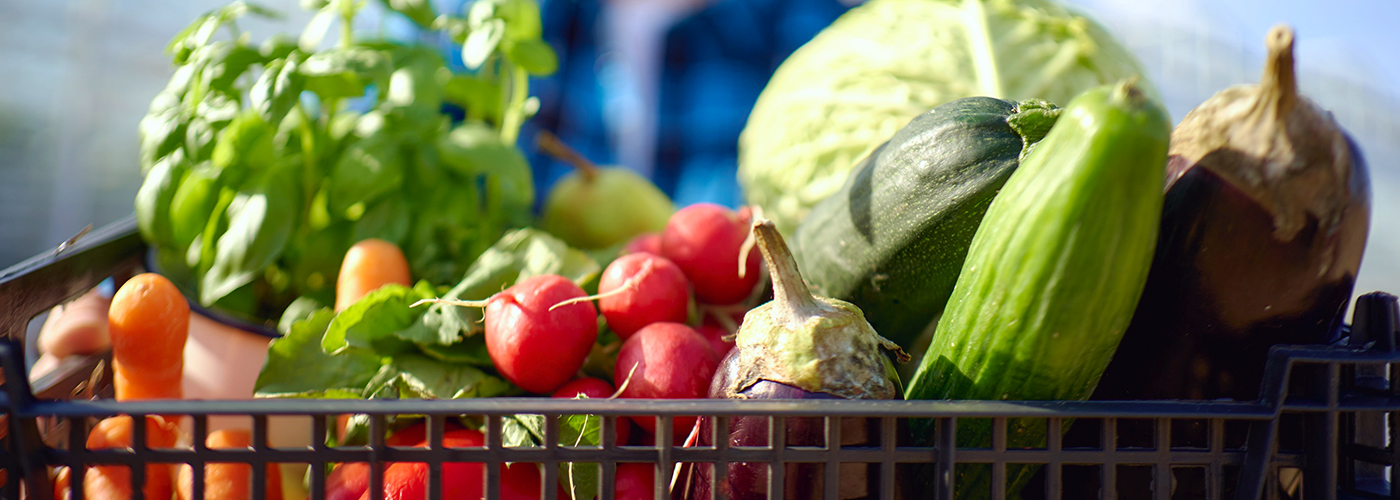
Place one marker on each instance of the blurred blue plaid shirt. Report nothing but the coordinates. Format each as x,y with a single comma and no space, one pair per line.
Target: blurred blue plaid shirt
714,63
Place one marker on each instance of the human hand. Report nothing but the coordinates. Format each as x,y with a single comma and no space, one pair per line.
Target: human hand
76,328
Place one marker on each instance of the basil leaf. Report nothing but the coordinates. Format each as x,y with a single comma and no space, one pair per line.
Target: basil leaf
153,199
533,55
522,19
378,315
277,90
259,223
366,170
162,132
482,42
418,11
244,147
192,204
478,96
387,219
344,72
221,72
297,367
473,149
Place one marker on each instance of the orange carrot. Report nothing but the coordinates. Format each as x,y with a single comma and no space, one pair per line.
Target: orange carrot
368,265
114,481
229,481
149,320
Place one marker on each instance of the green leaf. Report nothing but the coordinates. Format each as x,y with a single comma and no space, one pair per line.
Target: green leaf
418,11
342,73
579,478
300,309
522,430
471,351
414,86
245,145
482,42
192,205
479,96
162,132
277,89
277,46
522,19
520,254
536,56
387,219
473,149
367,169
228,65
200,137
379,314
316,28
427,378
153,200
260,221
297,367
316,258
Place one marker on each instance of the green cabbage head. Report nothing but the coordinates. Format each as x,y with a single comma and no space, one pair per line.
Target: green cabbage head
881,64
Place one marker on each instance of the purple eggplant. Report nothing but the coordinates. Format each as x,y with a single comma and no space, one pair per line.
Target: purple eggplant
1266,214
798,346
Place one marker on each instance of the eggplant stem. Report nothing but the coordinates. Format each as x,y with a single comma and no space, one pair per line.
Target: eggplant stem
452,302
552,146
757,214
1279,85
788,288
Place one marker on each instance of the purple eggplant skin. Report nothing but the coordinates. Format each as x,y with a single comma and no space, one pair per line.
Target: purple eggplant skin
1223,290
749,481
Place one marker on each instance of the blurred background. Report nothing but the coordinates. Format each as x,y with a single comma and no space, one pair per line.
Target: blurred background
79,74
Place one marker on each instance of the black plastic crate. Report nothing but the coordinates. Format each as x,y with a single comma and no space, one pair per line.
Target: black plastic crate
1321,428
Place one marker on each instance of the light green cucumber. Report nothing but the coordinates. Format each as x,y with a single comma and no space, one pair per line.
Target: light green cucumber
1054,271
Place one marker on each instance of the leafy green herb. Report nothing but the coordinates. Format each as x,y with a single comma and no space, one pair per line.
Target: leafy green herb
522,431
260,172
297,367
580,478
379,314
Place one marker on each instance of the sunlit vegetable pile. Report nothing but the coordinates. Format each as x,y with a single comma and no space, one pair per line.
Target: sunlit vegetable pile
989,185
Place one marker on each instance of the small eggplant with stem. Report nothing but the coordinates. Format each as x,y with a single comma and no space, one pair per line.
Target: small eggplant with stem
799,346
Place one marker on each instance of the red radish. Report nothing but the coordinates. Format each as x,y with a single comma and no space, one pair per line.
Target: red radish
645,242
704,239
538,332
635,481
417,434
409,480
347,481
672,361
639,289
596,388
715,334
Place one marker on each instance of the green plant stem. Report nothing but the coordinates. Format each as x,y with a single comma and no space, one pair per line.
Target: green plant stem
310,178
514,114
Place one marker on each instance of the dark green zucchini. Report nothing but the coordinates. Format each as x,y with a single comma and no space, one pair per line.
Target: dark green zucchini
893,239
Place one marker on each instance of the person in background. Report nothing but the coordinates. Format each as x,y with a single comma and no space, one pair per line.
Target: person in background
664,87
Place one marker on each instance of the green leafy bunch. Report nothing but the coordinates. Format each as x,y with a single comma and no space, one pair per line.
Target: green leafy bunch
264,163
